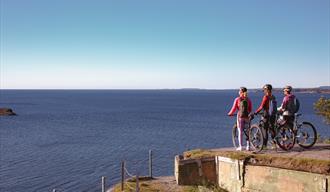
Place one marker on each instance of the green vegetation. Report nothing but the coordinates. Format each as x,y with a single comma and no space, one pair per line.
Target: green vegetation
273,160
203,153
324,140
155,186
197,189
322,107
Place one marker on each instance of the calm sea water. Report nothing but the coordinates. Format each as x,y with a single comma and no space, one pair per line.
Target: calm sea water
68,139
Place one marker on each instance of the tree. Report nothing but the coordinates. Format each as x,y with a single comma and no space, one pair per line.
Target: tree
322,107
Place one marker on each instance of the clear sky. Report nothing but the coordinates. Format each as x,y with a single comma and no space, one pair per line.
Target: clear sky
152,44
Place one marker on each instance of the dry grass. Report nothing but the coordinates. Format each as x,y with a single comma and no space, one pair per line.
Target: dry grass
162,186
273,160
203,153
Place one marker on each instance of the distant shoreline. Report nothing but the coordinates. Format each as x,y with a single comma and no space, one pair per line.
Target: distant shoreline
321,90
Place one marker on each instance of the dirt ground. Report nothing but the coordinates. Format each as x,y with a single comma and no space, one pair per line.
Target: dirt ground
158,184
319,151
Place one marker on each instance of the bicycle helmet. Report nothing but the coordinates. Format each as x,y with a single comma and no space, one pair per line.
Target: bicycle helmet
287,88
268,87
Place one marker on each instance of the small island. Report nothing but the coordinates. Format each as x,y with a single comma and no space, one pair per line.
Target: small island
6,111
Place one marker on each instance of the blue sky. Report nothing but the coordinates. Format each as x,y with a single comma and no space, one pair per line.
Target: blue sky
154,44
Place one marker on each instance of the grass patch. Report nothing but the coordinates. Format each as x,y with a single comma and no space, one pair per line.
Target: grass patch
159,186
197,189
145,187
273,160
203,153
324,140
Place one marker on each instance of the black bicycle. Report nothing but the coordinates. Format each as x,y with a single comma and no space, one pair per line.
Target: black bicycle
253,135
281,134
305,132
285,135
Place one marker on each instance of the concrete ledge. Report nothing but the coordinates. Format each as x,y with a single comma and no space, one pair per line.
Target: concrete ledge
195,171
239,172
236,176
270,179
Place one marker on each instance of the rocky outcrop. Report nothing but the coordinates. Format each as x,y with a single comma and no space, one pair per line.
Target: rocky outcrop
6,111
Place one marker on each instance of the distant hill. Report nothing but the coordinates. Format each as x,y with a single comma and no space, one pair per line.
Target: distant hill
324,87
321,89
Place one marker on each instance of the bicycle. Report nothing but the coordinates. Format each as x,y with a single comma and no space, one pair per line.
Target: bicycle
285,135
282,134
305,132
253,135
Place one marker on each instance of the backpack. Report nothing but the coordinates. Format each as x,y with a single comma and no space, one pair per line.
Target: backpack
293,105
297,104
243,108
272,110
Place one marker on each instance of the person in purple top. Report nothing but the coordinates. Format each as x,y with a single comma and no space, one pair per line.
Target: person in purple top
289,105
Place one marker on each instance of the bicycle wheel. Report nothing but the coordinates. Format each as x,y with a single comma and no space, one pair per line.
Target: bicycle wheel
306,135
235,136
285,137
256,138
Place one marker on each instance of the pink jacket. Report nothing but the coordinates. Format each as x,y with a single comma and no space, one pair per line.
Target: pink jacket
236,106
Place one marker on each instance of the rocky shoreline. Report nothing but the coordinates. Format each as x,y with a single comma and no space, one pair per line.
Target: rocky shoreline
6,112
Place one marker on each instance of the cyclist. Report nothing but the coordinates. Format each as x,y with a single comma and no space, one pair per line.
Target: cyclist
244,106
290,105
268,106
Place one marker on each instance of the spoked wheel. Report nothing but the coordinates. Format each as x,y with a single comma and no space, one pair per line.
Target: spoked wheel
306,135
256,138
235,136
285,137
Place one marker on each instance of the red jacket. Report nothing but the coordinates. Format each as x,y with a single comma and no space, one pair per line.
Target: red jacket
264,104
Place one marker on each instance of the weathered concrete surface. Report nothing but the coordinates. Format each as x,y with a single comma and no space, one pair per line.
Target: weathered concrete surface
236,176
230,173
6,111
260,178
195,171
298,170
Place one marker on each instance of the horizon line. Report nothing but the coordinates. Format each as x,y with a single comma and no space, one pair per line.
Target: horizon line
211,89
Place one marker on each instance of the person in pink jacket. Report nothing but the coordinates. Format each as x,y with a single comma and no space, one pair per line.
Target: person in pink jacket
244,107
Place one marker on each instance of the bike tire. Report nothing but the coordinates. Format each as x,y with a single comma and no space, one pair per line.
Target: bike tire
235,136
300,132
256,138
285,137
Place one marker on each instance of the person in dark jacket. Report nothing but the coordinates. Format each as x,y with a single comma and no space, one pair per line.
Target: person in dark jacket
267,106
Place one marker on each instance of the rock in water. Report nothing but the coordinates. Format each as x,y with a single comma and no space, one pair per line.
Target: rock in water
6,111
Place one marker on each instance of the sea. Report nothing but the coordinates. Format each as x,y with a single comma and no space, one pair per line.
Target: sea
68,139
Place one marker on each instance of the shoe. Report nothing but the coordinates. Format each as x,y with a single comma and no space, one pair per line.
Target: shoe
273,145
239,149
248,148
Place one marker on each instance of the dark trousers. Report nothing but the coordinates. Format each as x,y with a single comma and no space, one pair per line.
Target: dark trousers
269,126
289,119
